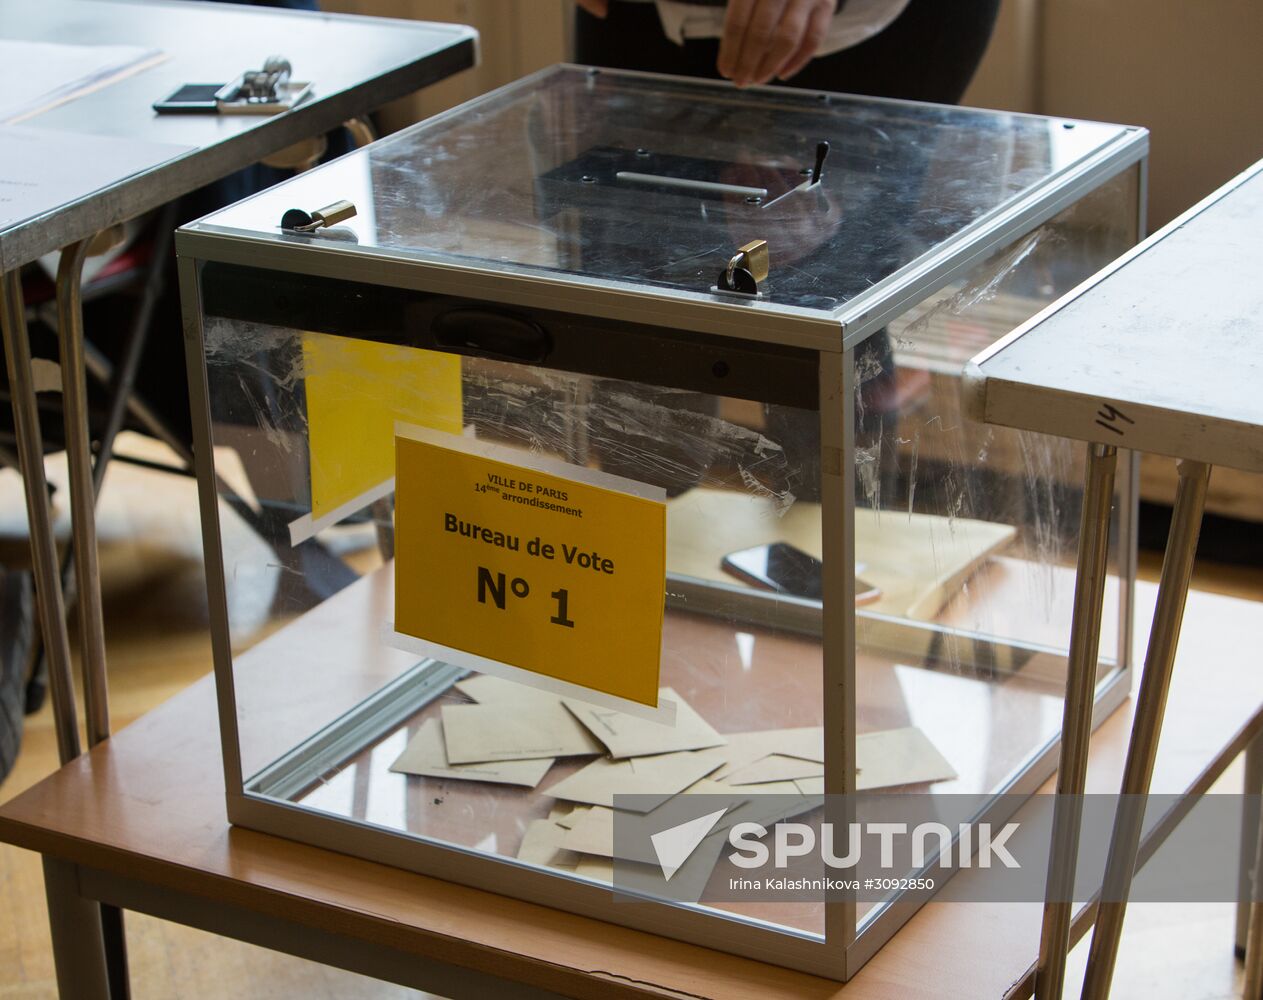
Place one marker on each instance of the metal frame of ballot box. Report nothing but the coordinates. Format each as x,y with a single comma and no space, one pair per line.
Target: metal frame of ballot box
304,269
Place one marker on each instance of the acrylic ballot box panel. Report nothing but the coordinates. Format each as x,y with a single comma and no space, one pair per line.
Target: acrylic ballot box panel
554,495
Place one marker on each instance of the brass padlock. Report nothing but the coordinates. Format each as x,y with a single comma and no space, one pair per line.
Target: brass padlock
331,215
756,259
298,221
746,269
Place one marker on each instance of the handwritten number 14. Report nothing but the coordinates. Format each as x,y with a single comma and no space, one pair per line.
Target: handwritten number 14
1108,417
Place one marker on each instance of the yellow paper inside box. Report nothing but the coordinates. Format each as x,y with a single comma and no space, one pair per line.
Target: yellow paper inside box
356,391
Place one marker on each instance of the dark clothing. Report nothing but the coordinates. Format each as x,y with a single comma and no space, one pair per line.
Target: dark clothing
928,53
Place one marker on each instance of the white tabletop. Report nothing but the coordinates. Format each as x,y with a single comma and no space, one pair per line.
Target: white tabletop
355,64
1161,352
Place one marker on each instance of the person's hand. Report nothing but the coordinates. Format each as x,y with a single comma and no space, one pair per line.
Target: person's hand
597,8
769,38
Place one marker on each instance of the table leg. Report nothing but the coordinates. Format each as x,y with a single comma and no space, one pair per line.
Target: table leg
74,391
1076,725
84,482
78,943
1251,828
120,382
1252,903
1164,637
50,600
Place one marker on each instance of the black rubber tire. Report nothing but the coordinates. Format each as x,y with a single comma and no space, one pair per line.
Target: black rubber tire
17,630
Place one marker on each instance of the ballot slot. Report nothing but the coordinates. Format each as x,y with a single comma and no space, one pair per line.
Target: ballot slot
641,170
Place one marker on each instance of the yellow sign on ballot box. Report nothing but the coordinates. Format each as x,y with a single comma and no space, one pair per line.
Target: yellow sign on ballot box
531,568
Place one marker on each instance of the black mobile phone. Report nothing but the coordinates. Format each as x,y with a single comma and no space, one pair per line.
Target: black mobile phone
787,570
192,98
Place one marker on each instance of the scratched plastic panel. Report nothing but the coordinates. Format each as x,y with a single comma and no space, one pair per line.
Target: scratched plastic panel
656,182
325,706
973,627
970,532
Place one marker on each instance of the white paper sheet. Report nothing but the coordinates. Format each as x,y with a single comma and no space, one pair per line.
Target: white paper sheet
42,169
36,76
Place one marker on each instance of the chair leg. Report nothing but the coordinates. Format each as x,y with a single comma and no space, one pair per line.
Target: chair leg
124,377
361,129
114,937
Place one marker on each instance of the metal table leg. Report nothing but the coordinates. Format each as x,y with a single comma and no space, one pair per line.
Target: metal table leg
74,389
120,383
1164,637
76,924
83,492
1251,829
51,603
1252,903
1076,725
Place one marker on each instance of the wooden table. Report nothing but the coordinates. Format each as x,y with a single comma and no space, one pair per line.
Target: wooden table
1158,353
138,822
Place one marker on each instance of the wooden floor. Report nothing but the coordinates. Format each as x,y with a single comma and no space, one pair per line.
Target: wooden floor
157,642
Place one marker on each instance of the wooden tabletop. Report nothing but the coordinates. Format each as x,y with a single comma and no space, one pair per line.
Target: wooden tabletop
149,805
1159,352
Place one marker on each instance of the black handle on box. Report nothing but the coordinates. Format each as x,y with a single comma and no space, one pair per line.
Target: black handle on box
490,334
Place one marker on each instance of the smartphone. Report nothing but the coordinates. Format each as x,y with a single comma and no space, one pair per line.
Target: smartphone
787,570
192,98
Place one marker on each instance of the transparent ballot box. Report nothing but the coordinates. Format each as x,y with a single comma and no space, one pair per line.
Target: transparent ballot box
599,444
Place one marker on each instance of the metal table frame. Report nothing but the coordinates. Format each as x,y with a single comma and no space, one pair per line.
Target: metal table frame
1106,424
76,229
88,224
